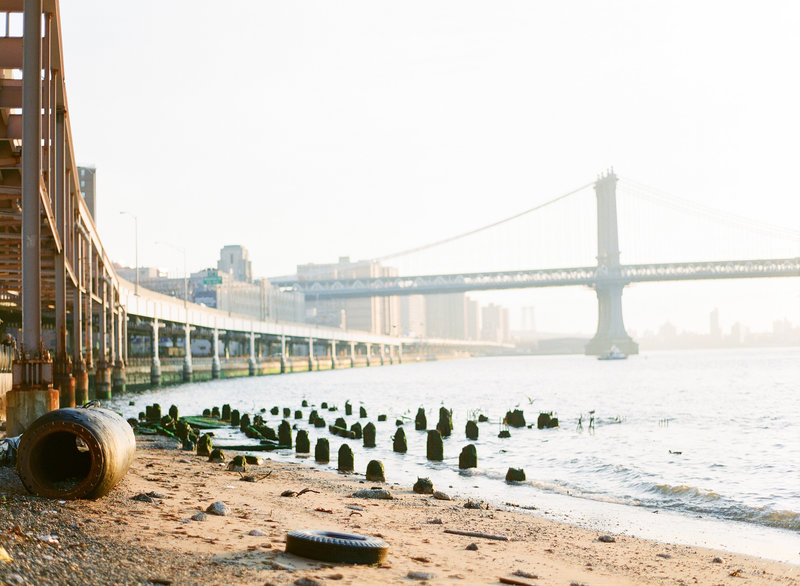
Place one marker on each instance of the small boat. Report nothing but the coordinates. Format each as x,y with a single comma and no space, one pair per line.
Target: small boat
613,354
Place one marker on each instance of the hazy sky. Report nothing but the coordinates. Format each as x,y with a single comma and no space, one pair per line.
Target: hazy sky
308,131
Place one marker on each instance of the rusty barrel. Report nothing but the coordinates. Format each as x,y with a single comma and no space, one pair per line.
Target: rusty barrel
75,453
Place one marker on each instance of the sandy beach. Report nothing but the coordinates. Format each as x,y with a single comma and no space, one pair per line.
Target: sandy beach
119,539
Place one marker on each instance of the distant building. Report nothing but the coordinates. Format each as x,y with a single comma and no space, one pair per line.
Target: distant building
446,316
234,259
412,315
494,323
376,315
473,320
713,325
87,178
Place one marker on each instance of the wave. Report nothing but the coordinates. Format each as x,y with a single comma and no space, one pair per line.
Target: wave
694,499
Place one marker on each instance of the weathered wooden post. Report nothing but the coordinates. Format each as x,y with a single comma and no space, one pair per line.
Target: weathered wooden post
346,463
435,445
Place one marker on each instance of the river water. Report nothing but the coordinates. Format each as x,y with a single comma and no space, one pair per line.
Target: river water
699,447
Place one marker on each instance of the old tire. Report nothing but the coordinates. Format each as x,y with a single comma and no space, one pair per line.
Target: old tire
333,546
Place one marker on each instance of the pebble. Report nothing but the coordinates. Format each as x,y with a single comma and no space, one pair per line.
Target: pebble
436,521
199,517
420,576
373,494
354,507
475,505
218,508
472,547
716,560
666,556
439,495
307,582
256,533
606,539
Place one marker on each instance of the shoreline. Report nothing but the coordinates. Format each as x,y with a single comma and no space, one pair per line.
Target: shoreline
158,542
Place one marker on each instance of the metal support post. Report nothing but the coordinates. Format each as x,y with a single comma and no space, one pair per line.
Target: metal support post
383,354
333,354
78,365
352,354
118,382
311,354
283,354
102,373
369,354
62,378
32,394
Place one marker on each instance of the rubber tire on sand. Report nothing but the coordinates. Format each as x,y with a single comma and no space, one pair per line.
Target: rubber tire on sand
333,546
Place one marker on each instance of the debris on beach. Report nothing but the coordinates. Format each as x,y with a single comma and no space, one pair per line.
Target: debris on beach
478,534
607,539
470,504
373,493
218,508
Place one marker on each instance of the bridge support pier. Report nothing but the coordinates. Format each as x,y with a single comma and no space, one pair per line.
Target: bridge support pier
283,354
352,354
311,354
610,326
155,365
63,381
369,354
252,367
81,376
187,362
333,354
216,368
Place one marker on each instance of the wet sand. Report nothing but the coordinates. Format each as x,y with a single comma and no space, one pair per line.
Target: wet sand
130,541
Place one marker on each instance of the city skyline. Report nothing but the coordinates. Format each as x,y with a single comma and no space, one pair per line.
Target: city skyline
356,139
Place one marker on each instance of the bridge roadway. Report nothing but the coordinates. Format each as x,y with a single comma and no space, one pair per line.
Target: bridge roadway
587,276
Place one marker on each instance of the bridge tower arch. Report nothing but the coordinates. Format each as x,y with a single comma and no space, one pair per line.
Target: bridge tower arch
609,281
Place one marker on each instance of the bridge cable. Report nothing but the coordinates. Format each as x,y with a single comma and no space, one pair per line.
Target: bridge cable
481,229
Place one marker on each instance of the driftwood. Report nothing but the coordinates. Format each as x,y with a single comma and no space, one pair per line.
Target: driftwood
505,580
477,534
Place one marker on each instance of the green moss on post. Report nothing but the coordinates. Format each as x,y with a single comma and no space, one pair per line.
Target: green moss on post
340,422
420,421
275,410
322,450
217,455
298,414
362,413
348,408
345,459
173,412
204,445
400,443
445,425
375,471
304,403
206,412
468,457
472,430
285,434
226,412
382,417
235,418
435,446
215,413
287,412
356,429
369,435
515,475
302,443
244,422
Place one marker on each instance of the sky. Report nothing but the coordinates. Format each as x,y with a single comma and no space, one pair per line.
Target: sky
314,130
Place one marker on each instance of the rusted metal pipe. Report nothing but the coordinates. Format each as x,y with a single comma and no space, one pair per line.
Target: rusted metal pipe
75,453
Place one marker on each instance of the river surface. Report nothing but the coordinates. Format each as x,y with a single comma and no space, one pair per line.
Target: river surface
700,447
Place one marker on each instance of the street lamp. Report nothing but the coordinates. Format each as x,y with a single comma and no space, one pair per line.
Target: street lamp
136,245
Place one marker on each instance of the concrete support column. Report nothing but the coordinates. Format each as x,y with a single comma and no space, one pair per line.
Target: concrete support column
32,393
383,354
333,354
155,365
310,354
187,359
283,354
216,368
88,311
118,382
102,373
399,354
352,354
252,367
369,354
610,325
391,354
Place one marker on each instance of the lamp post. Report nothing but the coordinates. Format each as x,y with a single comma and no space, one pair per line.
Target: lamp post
187,364
136,246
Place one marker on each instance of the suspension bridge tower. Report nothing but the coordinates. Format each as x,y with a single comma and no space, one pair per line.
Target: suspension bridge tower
609,280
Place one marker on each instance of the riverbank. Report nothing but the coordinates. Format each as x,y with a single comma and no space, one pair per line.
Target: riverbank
119,539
